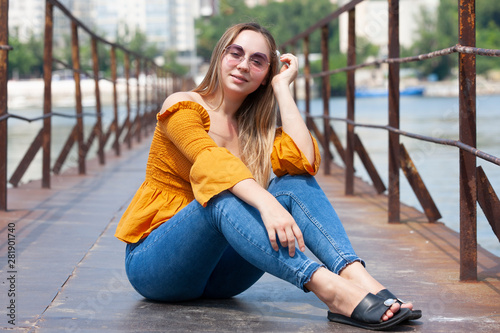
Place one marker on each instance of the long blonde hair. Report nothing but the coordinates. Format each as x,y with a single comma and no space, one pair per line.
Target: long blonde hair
257,114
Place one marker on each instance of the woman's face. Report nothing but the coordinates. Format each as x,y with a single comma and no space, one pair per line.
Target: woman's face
245,64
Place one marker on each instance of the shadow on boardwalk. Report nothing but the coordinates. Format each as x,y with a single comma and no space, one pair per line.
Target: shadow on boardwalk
70,272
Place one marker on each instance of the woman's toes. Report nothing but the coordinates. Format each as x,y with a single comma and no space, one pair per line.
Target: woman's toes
407,306
391,311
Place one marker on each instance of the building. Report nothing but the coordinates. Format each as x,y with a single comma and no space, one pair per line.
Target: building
372,21
167,23
26,18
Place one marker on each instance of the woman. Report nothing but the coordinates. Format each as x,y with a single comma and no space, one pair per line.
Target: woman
207,222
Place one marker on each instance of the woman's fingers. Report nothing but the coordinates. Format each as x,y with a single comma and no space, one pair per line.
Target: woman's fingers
291,242
300,238
272,239
287,238
290,64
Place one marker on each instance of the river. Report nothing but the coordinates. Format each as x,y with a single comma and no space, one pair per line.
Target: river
431,116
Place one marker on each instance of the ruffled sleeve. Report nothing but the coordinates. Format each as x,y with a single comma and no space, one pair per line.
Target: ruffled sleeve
287,158
214,168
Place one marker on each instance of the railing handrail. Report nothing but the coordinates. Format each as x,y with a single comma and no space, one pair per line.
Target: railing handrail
445,142
425,56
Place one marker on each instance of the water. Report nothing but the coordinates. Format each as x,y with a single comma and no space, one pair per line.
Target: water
22,133
438,165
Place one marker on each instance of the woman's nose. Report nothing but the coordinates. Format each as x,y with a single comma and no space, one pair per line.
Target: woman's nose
244,64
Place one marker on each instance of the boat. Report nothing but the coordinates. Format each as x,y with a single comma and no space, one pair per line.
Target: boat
382,92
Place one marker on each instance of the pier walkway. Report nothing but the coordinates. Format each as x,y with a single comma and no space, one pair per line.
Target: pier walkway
69,270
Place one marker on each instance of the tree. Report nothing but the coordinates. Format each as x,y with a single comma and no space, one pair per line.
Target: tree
437,32
26,59
441,31
209,30
488,25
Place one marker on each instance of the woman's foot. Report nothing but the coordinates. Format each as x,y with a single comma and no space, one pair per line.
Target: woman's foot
340,295
357,274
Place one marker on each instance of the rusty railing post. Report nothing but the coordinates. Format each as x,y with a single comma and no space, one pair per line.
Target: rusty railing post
127,78
95,68
75,56
138,118
351,86
146,99
4,60
325,87
467,135
116,125
307,84
47,93
394,195
294,87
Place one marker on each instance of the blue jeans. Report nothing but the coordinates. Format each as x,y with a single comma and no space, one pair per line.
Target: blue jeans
221,250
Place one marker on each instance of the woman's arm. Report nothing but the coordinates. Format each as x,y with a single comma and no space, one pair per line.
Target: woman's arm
291,119
277,219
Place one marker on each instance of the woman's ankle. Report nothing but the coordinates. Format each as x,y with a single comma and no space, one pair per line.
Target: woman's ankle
357,274
340,295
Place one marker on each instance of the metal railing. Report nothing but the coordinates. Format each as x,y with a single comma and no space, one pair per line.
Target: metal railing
158,83
474,184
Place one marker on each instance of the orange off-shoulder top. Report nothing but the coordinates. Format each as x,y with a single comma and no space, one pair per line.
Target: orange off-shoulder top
185,164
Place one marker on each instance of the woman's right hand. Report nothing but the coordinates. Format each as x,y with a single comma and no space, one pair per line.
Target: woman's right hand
281,226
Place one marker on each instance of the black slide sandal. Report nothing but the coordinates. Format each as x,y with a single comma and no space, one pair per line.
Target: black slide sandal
368,314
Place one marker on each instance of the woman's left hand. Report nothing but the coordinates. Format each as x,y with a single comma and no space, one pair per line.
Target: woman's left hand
288,71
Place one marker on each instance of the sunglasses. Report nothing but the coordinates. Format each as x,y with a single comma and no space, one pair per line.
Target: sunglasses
257,61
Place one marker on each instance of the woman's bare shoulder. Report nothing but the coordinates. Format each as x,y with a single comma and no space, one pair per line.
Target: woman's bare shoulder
177,97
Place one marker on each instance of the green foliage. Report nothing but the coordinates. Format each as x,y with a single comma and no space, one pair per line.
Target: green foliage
488,26
441,31
26,59
171,64
437,31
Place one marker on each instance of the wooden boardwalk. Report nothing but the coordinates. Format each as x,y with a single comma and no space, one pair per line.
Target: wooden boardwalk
69,269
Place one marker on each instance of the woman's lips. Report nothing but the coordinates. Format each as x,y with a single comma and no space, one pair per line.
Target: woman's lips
239,78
